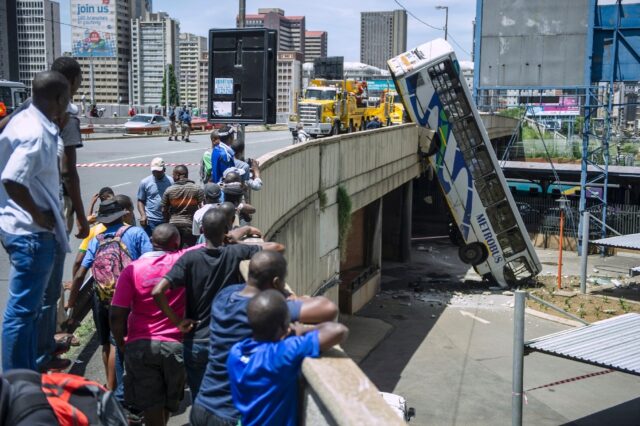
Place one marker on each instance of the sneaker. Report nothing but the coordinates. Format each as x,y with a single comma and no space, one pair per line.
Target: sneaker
170,139
187,140
57,364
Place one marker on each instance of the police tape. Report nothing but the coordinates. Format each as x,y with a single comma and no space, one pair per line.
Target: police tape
108,165
570,380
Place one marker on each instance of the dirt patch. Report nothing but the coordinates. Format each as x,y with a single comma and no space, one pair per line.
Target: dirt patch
603,301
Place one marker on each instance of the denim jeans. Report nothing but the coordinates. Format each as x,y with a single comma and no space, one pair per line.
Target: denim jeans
32,257
196,356
47,321
119,392
199,416
151,225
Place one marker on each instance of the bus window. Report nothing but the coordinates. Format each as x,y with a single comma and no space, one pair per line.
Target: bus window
511,242
466,134
19,97
490,190
501,217
479,162
516,270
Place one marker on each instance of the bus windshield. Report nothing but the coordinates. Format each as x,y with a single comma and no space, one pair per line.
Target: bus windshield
495,241
321,95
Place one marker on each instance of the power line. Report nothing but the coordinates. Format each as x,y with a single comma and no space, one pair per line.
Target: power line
416,18
458,44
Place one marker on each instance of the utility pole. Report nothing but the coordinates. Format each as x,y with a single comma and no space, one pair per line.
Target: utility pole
446,19
241,21
130,77
92,80
167,89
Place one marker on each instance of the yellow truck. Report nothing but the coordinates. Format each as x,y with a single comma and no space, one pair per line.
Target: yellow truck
388,109
330,107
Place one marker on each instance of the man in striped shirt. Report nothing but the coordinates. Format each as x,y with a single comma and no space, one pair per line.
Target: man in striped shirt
180,202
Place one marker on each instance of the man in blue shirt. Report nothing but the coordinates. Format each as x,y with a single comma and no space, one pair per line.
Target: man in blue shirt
185,118
229,325
150,194
264,370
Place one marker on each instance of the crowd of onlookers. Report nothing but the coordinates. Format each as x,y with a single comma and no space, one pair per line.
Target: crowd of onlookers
170,304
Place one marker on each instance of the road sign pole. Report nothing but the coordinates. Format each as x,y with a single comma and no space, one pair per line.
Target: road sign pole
584,252
241,22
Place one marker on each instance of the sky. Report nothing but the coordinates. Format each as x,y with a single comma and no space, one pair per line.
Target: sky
340,18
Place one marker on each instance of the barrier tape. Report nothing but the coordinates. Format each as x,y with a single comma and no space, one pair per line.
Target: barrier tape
560,382
107,165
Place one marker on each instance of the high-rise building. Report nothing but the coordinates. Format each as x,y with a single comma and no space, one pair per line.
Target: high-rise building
8,41
154,45
38,31
291,29
315,45
101,42
383,35
289,83
191,48
203,81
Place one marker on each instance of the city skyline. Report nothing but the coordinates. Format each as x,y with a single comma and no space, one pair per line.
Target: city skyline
340,21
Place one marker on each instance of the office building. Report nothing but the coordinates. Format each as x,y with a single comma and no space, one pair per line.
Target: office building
315,45
101,42
8,41
38,35
203,81
383,35
291,29
191,48
289,83
154,45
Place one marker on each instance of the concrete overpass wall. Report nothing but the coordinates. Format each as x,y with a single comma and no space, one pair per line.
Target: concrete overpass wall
298,203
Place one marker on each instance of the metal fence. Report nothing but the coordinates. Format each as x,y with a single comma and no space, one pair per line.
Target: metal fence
542,215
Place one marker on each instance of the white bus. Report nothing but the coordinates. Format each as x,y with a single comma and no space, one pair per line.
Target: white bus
436,96
12,95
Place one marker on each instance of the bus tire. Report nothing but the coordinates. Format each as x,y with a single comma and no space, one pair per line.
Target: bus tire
473,253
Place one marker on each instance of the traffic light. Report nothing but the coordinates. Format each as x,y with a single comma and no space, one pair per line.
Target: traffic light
242,75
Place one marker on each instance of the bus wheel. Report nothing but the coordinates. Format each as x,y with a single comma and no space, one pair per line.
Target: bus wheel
473,253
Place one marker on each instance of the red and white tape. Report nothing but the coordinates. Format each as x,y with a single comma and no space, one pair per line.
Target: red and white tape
570,380
108,165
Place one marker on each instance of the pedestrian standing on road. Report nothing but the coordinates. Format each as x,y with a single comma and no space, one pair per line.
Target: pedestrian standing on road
212,194
203,272
107,255
172,125
32,226
180,202
150,194
185,119
154,368
264,370
229,325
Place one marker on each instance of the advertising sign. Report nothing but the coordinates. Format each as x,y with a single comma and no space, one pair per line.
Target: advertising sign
94,28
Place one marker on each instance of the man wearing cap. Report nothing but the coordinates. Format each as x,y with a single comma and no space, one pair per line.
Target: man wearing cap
136,242
212,194
150,193
180,202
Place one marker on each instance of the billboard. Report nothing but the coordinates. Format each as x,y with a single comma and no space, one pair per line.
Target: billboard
94,28
539,43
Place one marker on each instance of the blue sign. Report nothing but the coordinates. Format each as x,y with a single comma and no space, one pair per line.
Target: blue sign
223,86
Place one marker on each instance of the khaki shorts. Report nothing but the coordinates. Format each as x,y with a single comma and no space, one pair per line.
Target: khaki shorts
154,374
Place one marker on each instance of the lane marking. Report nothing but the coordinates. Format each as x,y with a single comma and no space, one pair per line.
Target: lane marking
157,154
470,315
120,184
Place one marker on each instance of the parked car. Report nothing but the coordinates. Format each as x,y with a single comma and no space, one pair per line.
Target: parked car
145,123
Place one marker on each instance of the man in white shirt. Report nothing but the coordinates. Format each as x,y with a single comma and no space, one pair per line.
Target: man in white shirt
32,227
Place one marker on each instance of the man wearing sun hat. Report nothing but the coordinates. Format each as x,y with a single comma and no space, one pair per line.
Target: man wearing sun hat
150,194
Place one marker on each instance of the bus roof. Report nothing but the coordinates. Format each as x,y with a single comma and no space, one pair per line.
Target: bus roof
7,83
416,58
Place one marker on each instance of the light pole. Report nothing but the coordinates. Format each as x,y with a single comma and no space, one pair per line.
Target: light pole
446,18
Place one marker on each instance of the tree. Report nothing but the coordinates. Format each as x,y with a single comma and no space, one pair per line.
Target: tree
174,95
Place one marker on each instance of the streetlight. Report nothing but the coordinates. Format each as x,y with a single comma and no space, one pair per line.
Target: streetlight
446,18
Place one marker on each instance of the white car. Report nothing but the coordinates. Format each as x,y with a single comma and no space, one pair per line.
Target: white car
143,123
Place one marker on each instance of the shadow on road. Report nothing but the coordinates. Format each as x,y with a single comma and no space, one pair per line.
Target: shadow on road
625,414
79,367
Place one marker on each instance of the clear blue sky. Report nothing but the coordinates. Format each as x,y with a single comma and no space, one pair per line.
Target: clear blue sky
339,17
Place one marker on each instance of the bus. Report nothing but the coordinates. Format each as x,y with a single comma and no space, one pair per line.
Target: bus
12,95
435,95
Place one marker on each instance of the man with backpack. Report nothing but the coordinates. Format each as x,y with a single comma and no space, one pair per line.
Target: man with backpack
107,255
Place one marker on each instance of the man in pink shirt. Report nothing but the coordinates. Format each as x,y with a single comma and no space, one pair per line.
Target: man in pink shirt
154,367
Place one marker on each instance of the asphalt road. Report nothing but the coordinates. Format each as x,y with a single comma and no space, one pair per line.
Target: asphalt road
124,180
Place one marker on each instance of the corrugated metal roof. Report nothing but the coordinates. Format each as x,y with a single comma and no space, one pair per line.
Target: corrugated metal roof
631,241
612,343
